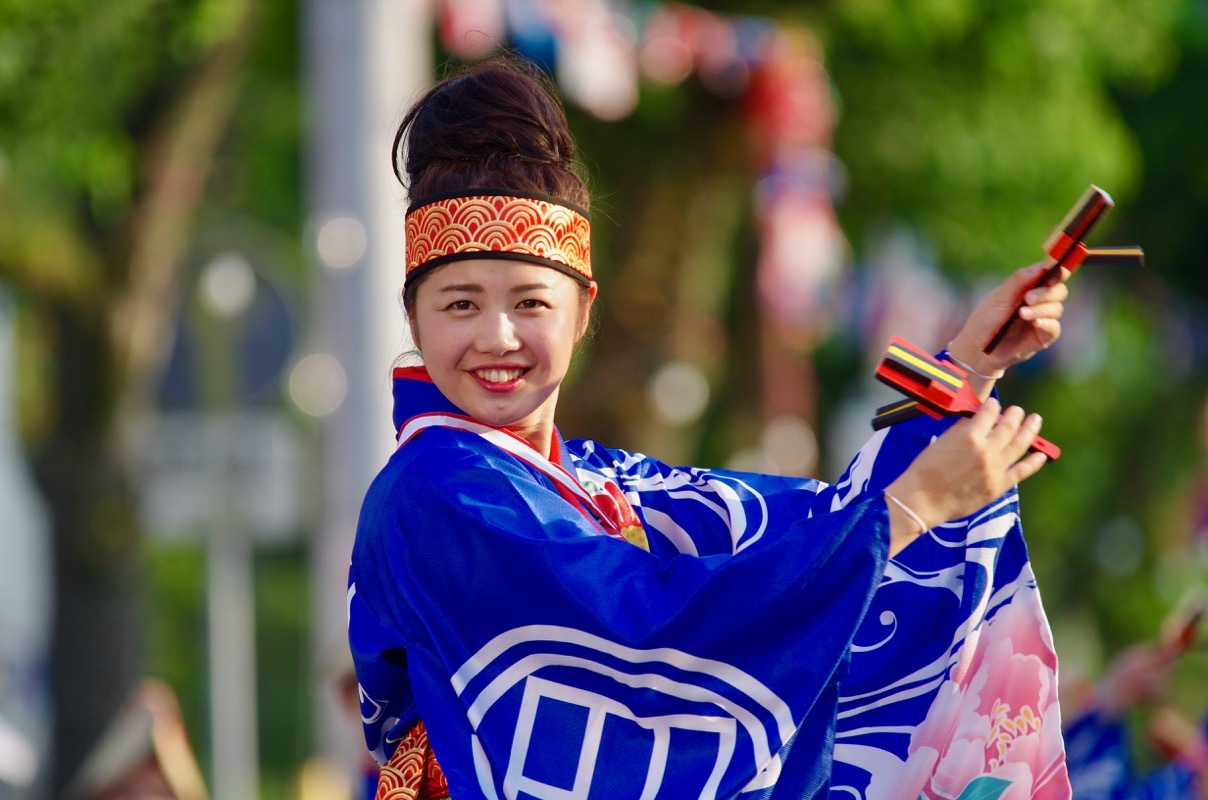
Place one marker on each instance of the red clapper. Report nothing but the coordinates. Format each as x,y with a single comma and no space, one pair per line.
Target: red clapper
1065,248
932,387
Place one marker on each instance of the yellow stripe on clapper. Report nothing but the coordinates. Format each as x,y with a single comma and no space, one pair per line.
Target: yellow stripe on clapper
928,367
896,407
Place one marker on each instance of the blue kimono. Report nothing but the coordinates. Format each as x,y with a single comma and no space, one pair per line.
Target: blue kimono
502,601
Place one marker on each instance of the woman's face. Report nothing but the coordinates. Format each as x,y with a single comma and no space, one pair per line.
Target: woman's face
497,339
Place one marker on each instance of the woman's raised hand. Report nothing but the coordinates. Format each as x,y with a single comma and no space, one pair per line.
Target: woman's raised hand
1037,326
973,462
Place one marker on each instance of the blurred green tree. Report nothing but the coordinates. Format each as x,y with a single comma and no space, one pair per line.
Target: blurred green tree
110,118
977,127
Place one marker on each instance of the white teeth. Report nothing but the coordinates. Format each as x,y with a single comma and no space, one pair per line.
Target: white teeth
498,375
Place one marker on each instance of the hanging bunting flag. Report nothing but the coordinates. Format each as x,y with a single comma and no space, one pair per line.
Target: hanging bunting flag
597,61
531,33
666,51
471,29
718,61
803,251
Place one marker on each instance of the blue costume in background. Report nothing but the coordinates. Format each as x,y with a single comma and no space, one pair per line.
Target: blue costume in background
1101,765
729,655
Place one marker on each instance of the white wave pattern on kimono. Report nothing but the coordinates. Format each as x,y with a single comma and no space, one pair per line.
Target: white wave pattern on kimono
953,686
952,692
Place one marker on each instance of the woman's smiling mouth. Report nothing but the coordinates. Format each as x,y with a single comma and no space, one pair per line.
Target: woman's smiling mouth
499,378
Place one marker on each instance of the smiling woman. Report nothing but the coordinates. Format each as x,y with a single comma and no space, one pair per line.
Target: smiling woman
497,339
531,616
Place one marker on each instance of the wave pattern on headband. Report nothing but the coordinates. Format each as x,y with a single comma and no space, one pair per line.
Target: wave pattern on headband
484,223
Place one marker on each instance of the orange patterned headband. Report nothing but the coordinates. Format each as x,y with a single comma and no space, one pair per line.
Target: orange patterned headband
490,223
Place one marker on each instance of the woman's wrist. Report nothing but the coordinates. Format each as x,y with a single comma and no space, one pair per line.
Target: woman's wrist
979,370
922,526
981,377
910,515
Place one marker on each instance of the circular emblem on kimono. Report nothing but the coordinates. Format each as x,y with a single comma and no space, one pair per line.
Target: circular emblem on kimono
561,713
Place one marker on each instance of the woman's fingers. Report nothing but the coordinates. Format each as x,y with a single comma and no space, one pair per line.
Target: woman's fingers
1047,331
1042,294
985,418
1002,434
981,424
1026,467
1036,327
1033,272
1023,435
1024,276
1009,440
1020,465
975,461
1050,310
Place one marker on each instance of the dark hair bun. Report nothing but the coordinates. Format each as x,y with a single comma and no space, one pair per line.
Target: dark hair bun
498,124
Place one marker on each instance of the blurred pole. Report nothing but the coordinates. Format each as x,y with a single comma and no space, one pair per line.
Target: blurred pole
230,578
25,595
364,60
231,603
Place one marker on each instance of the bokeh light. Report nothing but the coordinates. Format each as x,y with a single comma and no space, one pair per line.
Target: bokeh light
341,242
227,285
318,384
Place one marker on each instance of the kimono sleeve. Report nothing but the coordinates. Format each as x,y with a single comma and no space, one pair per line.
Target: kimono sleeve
699,511
501,588
379,653
710,511
956,623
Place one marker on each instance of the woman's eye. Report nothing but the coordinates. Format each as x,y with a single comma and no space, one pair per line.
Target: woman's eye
531,303
460,305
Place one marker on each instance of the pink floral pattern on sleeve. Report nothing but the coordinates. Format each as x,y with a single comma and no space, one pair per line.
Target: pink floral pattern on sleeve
993,733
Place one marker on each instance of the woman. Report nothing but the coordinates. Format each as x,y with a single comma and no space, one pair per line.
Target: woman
534,617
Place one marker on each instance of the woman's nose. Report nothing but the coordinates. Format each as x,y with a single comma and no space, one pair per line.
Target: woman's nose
497,334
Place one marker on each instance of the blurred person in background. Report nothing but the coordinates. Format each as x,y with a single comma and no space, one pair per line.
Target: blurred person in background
1184,746
348,698
144,754
1098,749
532,615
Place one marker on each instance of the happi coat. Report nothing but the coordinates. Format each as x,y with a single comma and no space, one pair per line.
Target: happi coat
602,625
